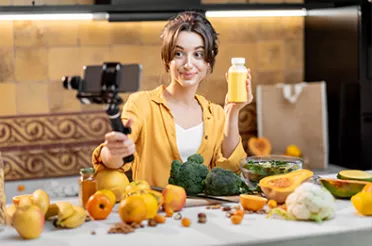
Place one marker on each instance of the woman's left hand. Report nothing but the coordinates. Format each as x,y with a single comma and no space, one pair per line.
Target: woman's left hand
234,106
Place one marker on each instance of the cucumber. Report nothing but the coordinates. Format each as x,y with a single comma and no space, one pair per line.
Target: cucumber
355,175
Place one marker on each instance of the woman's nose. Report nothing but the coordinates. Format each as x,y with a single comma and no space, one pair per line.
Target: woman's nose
188,63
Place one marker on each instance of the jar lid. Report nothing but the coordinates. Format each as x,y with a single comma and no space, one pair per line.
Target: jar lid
238,60
88,170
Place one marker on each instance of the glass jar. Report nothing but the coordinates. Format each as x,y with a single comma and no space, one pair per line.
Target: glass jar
87,185
3,221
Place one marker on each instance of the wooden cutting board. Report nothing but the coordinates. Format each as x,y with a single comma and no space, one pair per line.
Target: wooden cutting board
194,202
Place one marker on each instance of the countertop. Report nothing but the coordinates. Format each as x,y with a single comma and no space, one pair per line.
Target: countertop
346,228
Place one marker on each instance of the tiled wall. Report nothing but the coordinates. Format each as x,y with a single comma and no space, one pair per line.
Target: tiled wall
34,55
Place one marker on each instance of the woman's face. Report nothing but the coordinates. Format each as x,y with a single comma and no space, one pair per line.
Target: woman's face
188,66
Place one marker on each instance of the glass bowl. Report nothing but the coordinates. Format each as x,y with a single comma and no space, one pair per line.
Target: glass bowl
254,168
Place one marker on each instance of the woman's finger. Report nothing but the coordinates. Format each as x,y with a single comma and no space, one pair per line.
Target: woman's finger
115,136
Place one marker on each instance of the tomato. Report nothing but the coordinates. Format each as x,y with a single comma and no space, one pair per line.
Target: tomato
99,206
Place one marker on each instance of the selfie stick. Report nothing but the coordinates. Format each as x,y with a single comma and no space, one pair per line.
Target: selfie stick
113,112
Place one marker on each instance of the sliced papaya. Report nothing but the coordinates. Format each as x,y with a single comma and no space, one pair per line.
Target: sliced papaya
344,189
355,175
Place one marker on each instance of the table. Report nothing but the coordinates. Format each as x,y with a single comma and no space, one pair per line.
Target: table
346,228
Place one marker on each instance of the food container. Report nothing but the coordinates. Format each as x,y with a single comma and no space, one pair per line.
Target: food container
254,168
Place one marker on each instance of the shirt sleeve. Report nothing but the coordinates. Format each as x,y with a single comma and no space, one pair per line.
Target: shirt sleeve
233,161
130,111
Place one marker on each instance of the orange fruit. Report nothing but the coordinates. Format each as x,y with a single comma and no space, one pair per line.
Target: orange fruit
159,196
160,219
236,219
293,150
362,202
98,206
367,188
186,222
252,202
239,213
151,205
109,194
272,204
133,209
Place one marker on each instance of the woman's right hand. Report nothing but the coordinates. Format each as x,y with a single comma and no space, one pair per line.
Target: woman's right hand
117,146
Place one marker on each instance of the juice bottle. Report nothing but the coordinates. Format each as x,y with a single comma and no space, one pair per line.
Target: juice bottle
237,77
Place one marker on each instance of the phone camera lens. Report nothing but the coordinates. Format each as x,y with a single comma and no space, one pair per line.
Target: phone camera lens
71,83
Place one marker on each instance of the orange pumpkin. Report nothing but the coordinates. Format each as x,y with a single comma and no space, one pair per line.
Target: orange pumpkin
259,146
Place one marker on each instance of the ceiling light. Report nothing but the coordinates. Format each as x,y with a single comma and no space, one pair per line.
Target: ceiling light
255,13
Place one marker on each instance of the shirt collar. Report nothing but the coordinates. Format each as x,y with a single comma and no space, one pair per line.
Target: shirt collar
157,95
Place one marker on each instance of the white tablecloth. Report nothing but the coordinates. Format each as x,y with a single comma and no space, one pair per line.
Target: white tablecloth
218,230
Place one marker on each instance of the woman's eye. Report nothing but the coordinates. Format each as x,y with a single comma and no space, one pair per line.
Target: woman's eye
199,54
178,54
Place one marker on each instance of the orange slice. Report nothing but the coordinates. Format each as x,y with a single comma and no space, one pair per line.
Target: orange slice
252,202
16,199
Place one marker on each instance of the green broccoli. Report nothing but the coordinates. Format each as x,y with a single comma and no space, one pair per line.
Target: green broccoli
197,158
176,165
221,182
189,175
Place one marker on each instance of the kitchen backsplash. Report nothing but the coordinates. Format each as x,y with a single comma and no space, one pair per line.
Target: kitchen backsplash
34,55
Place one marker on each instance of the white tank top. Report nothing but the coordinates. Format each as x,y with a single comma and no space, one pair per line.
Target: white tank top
189,140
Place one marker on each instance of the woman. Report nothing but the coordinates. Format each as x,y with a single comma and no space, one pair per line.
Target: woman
172,122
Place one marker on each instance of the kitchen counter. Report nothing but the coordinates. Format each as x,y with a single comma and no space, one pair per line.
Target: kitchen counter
346,228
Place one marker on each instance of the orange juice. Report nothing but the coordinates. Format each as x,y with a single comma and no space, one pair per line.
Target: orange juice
237,81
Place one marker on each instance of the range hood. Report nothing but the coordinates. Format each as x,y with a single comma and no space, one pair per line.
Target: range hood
150,10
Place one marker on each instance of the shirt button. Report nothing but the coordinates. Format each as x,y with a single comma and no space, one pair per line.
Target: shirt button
206,137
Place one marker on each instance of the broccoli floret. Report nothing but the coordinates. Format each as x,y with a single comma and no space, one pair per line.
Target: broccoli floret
189,175
175,169
221,182
197,158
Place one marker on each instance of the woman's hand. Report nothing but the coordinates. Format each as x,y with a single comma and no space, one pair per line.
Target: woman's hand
234,106
117,146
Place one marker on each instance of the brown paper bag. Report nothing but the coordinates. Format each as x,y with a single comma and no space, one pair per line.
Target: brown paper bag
295,114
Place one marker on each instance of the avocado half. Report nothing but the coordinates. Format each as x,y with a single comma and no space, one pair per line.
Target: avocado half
355,175
344,189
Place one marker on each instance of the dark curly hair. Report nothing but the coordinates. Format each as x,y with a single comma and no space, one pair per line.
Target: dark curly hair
191,21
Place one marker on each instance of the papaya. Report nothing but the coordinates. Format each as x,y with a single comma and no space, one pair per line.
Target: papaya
278,187
355,175
259,146
343,189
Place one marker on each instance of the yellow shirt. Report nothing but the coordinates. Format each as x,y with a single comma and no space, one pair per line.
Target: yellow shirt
154,133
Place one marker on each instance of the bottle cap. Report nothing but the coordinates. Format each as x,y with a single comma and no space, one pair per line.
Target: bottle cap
238,60
88,170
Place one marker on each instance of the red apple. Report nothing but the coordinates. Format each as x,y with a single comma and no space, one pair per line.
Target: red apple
174,198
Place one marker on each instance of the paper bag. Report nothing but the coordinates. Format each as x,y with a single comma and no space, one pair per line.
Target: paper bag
295,114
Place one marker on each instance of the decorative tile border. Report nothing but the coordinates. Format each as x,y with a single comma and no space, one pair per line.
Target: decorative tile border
53,145
37,130
44,146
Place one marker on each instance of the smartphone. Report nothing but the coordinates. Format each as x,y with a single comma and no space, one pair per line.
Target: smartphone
127,78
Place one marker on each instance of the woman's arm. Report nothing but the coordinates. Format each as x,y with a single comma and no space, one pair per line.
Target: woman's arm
231,133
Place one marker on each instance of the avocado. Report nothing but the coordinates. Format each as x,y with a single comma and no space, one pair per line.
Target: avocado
355,175
343,189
